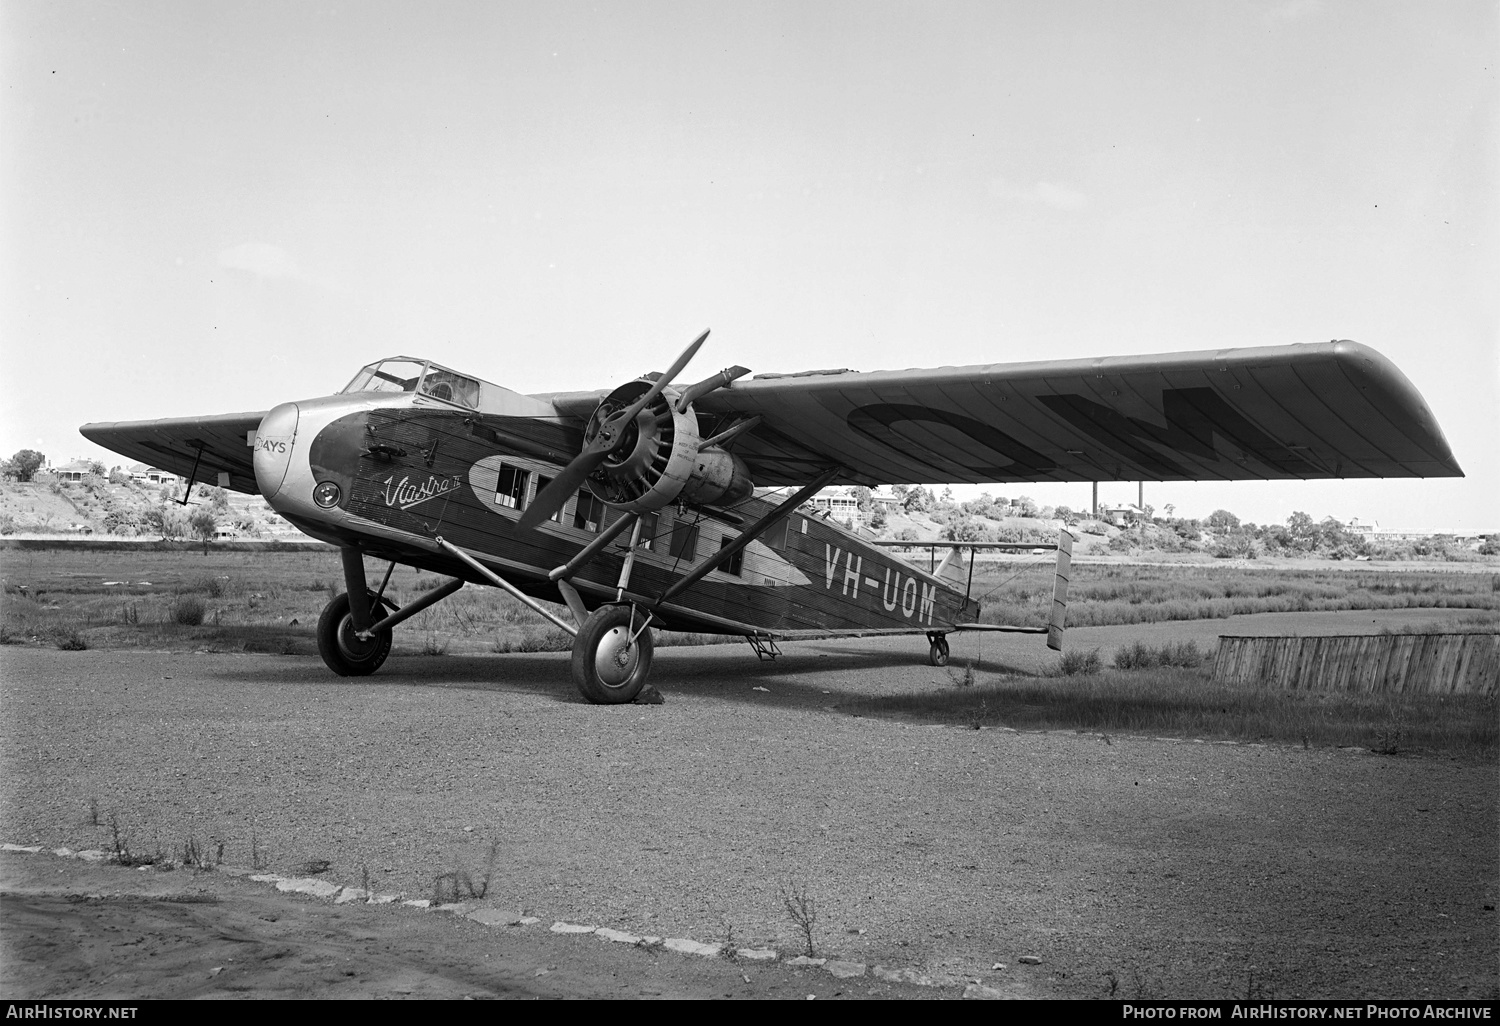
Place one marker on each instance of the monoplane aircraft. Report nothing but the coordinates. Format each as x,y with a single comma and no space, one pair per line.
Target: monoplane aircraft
651,505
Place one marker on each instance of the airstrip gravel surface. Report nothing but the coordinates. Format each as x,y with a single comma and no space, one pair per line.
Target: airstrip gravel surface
1154,867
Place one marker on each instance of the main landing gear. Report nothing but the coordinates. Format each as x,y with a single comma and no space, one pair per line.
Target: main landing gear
612,655
345,652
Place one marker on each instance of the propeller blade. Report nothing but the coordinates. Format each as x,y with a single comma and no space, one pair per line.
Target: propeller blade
561,488
662,382
552,498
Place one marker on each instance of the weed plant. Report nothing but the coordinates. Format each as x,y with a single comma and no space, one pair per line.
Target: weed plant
120,850
802,911
461,885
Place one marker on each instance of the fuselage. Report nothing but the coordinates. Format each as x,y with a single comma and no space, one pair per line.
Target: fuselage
388,471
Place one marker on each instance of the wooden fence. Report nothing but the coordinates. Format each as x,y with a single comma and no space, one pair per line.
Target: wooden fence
1431,663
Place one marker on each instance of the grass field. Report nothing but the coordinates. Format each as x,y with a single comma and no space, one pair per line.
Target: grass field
270,602
242,601
1104,595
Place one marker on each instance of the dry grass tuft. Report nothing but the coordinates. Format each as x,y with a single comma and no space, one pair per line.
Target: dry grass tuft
1178,702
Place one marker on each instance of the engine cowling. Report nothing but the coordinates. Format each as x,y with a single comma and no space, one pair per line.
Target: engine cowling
661,459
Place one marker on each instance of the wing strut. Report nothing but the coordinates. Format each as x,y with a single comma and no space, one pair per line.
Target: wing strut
750,534
592,549
188,490
501,582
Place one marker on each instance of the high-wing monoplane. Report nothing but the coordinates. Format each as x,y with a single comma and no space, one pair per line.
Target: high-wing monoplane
653,505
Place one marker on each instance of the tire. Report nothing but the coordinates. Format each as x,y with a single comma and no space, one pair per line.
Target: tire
938,654
345,654
606,672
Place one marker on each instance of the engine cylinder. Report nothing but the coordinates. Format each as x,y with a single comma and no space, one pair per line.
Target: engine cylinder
659,460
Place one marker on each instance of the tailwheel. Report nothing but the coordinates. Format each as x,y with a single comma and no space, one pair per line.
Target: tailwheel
938,654
612,655
346,653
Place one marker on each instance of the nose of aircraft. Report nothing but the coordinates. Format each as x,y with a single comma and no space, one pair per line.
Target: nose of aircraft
273,448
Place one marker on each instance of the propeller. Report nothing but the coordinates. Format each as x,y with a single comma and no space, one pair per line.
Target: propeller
610,436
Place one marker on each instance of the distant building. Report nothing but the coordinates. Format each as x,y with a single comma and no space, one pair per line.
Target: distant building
77,470
142,474
838,502
1119,516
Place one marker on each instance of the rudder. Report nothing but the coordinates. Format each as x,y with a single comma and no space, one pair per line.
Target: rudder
1059,615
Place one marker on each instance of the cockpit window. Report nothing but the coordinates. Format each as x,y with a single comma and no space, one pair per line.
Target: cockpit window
388,376
455,388
404,375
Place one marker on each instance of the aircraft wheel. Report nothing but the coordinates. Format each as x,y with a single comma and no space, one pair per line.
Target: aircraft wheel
346,654
607,667
938,654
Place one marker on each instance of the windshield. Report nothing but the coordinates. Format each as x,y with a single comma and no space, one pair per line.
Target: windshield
406,375
388,376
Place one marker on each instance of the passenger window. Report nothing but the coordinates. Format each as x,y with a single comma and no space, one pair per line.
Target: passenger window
735,563
684,542
589,515
647,533
510,489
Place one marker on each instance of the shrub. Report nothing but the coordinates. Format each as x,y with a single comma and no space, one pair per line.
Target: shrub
1074,663
1142,657
188,610
69,639
209,585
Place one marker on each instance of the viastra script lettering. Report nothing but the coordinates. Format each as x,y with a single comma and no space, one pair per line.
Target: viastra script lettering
404,495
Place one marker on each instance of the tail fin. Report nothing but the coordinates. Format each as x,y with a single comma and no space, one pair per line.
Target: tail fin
953,569
1060,591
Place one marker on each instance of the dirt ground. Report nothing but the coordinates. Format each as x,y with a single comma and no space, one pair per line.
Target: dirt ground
76,930
1131,867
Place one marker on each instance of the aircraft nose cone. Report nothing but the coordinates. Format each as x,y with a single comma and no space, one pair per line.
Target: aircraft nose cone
273,448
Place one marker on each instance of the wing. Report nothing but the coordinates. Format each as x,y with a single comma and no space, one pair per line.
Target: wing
1328,410
225,442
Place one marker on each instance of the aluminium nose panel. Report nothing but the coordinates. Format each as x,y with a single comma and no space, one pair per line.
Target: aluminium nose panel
273,448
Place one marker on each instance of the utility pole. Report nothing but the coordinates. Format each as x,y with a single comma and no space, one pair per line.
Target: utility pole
1096,500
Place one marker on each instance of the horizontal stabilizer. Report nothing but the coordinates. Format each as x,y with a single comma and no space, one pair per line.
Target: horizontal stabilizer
999,627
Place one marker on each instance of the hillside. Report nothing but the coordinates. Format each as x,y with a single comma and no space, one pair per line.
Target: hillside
125,508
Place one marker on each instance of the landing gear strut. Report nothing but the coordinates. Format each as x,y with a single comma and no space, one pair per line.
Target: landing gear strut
612,655
938,654
347,654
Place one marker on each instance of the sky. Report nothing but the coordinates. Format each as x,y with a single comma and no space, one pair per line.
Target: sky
212,207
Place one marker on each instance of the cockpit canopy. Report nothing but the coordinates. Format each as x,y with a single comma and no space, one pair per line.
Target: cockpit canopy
406,374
